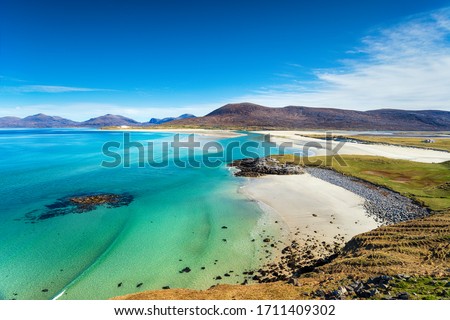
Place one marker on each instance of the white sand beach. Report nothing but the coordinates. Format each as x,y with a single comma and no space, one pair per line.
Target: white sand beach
311,206
221,134
319,147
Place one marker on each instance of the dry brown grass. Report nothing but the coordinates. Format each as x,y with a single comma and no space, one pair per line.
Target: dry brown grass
419,247
280,291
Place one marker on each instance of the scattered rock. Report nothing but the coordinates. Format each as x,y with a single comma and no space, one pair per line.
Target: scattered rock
364,294
403,296
185,270
319,293
294,282
342,290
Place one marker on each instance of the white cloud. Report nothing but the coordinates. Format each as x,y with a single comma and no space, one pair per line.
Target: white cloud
403,66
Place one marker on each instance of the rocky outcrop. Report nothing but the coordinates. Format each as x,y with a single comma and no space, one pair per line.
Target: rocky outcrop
78,204
89,202
256,167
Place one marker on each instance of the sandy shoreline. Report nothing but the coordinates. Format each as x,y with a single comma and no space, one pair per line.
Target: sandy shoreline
311,207
221,134
388,151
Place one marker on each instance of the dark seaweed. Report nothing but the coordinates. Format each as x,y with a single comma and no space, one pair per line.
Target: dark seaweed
78,204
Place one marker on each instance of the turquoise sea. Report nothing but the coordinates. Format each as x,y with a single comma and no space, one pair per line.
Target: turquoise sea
176,219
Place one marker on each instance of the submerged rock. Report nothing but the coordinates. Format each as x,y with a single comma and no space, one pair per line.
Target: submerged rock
185,270
79,204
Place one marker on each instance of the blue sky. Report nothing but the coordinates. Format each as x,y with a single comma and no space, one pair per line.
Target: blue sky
142,59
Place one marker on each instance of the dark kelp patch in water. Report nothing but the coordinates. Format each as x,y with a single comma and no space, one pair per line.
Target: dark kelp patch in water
78,204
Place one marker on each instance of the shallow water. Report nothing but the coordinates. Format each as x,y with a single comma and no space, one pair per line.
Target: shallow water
174,221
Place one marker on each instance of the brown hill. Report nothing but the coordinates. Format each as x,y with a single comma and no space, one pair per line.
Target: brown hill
248,115
110,120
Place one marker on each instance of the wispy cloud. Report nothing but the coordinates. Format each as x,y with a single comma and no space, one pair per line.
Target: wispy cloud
404,66
47,89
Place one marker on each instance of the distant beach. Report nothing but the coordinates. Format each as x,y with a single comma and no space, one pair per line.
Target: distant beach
203,132
298,139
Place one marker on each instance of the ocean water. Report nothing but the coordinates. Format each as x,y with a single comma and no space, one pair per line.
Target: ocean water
175,220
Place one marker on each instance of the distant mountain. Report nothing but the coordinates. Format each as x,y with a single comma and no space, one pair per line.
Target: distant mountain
10,122
43,121
251,116
36,121
164,120
247,115
109,120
